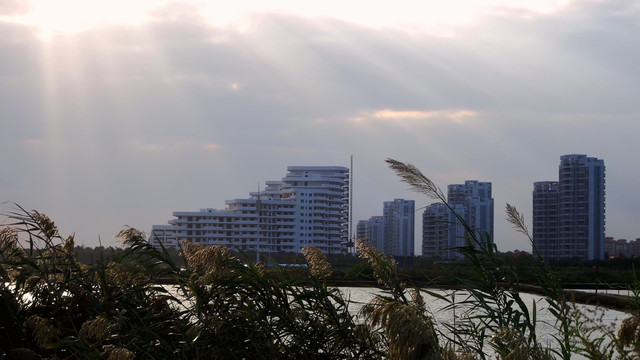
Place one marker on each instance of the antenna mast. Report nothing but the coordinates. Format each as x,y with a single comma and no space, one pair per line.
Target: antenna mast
351,239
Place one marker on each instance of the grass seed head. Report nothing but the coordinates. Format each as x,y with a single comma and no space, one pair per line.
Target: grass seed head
45,224
43,331
317,261
8,239
416,180
384,267
69,245
97,329
629,332
131,237
209,262
110,352
126,275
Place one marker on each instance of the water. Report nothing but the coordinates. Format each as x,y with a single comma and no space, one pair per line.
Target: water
545,325
359,296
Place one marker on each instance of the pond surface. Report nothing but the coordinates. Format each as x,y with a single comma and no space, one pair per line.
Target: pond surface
545,325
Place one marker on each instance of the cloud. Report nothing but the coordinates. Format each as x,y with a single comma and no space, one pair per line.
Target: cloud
14,7
411,117
178,148
32,143
211,147
152,114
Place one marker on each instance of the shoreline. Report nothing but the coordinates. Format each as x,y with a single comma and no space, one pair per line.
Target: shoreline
572,291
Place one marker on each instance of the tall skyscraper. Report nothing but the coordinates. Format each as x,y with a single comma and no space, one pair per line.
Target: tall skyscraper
477,199
399,216
392,233
545,218
362,228
309,206
569,215
374,230
442,231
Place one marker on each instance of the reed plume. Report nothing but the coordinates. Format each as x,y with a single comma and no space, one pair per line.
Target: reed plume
317,261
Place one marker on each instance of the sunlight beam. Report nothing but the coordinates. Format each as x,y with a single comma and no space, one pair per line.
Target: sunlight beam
73,16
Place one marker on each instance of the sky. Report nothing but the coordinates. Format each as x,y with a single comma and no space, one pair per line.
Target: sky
118,113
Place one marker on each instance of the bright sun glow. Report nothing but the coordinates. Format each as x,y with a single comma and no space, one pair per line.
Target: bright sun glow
72,16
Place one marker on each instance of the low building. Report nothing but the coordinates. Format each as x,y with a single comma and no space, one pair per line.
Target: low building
621,248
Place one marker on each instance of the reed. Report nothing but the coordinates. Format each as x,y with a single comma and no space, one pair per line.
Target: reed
223,307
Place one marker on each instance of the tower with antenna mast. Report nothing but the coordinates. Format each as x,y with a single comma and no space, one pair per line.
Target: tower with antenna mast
351,240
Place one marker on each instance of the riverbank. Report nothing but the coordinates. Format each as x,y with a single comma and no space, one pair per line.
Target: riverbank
574,292
609,301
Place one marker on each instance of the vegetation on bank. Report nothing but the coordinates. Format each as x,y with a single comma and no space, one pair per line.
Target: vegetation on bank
415,270
52,306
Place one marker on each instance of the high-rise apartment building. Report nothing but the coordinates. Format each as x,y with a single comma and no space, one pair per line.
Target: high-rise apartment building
477,200
393,233
569,215
545,218
399,216
361,229
374,230
442,231
309,206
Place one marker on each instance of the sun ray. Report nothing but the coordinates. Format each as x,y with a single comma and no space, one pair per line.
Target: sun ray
72,16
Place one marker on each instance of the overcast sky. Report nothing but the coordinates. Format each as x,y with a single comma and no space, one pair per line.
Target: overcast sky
116,114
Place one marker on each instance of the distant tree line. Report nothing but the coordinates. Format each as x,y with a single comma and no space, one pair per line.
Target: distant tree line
349,267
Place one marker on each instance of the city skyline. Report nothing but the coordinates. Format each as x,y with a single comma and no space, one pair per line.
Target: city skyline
118,113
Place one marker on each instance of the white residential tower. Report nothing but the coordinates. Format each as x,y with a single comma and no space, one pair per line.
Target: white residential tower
309,206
